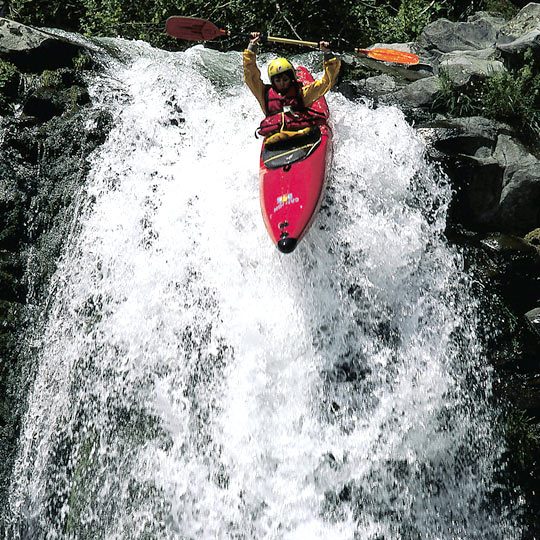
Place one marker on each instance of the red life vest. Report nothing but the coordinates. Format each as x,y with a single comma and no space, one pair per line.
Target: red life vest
287,112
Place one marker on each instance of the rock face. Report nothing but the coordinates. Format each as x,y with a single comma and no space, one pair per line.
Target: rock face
48,131
495,213
496,174
443,36
497,180
521,33
34,50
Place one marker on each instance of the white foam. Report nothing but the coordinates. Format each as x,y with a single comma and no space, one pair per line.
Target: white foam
195,383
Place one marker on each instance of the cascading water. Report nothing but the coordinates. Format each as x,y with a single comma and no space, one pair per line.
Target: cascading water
194,383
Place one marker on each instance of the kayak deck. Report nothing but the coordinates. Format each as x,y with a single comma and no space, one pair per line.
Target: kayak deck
285,153
293,176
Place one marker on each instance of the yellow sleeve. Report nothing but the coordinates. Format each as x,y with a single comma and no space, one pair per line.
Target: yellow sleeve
312,92
252,76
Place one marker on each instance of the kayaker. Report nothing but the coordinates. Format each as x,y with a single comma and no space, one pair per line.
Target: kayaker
285,102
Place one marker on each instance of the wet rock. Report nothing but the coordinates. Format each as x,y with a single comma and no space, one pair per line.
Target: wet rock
34,50
48,132
496,177
507,270
9,82
519,205
52,98
517,270
524,392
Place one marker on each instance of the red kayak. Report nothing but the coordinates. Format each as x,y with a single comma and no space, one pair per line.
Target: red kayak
293,176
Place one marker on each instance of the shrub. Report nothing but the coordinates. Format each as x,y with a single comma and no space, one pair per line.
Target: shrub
509,96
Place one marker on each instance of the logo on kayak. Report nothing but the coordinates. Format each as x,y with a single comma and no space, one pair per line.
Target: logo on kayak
286,200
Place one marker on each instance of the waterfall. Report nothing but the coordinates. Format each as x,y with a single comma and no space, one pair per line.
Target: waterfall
194,383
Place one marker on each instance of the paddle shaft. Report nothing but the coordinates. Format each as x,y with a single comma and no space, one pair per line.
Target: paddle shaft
274,39
195,29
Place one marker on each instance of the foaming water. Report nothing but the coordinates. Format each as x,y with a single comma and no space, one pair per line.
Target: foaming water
195,383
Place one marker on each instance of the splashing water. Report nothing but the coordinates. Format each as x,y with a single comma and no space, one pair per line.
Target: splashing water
195,383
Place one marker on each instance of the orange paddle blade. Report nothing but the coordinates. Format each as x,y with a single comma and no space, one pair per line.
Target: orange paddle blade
389,55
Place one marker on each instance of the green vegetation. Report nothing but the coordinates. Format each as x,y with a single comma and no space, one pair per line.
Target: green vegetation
504,8
523,437
508,96
9,82
345,22
523,465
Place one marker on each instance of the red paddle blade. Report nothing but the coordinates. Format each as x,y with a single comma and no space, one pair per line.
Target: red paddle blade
192,29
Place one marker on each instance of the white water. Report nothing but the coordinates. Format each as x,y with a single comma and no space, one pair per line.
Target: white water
194,383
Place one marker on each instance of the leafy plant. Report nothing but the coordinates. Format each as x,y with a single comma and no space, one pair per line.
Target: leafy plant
9,82
345,23
8,73
515,96
509,96
523,438
504,8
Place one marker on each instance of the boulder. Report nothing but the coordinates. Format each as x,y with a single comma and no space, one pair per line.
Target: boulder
417,94
534,238
521,34
462,66
497,179
526,20
379,85
534,318
480,31
516,270
34,50
519,205
531,40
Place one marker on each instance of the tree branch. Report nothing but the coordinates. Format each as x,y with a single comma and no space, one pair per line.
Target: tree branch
288,22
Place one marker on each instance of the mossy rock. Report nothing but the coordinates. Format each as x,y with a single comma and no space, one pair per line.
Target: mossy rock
533,238
522,433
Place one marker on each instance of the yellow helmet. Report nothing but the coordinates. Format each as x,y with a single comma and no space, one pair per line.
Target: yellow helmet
280,65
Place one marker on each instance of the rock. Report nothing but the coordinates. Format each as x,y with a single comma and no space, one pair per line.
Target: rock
526,20
419,93
462,66
534,238
516,269
496,178
519,206
57,92
399,71
520,34
531,40
443,36
10,78
34,50
377,86
534,318
524,392
405,47
472,136
508,245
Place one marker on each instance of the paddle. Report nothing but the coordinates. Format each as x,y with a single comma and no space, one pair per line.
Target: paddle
194,29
